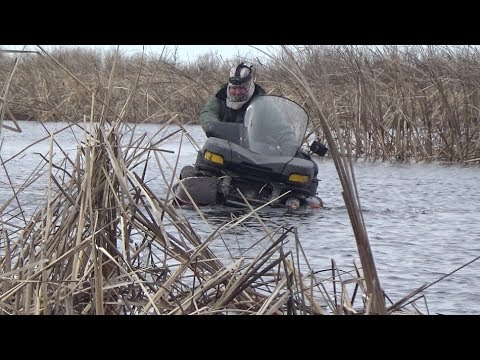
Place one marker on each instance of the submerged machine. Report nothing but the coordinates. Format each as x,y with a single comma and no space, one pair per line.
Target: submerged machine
259,160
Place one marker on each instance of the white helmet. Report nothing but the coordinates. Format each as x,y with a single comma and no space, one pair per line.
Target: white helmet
240,75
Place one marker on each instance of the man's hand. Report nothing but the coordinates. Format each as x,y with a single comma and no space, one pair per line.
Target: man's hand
305,148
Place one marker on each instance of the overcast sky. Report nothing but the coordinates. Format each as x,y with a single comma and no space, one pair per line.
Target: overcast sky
185,52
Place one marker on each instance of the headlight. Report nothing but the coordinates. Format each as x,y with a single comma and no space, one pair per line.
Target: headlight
215,158
298,178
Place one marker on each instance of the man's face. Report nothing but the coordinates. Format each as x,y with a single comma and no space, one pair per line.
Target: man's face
237,91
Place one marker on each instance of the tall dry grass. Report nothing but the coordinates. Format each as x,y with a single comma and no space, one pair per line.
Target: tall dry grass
400,103
395,103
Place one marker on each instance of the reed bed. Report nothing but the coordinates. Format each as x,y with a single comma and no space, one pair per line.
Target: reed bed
394,103
105,242
409,103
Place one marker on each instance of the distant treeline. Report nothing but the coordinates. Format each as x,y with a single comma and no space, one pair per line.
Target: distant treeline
391,102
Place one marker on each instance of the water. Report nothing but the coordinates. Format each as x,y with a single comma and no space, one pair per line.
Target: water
422,219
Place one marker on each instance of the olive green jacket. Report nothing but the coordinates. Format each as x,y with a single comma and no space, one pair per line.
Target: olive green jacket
216,108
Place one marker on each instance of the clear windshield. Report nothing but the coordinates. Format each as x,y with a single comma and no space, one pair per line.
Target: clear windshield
275,125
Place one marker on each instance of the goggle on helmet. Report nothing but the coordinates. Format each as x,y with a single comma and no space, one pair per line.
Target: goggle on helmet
237,79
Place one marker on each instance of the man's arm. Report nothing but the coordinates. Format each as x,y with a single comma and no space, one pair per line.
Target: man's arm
210,112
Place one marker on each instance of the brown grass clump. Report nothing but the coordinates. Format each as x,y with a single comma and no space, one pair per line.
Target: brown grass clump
397,103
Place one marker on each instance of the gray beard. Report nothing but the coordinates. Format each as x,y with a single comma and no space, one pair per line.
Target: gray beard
235,105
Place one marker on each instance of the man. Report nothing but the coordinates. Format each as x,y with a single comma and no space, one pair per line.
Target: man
231,101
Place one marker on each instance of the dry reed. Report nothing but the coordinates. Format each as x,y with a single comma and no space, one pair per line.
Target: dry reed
393,103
